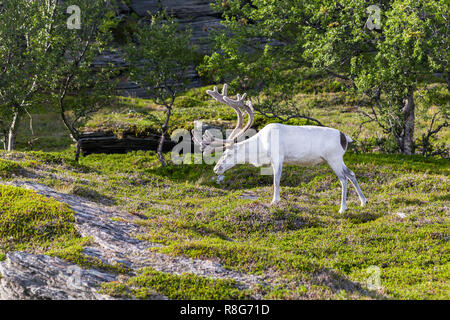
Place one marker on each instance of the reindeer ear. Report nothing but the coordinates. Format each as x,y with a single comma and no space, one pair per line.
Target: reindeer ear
229,146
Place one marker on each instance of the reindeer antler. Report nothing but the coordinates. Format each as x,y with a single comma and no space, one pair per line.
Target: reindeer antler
239,106
247,107
222,99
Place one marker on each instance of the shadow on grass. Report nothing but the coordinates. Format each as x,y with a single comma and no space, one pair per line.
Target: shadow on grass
337,282
414,163
87,193
205,231
241,176
362,217
445,197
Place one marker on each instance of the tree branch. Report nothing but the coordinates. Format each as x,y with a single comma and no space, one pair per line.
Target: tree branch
272,114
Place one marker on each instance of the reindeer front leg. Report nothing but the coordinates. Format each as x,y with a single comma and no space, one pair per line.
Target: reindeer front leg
343,181
277,170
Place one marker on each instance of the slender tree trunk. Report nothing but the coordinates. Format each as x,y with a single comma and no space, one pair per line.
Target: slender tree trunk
160,149
13,129
78,151
409,118
448,81
72,131
4,138
164,128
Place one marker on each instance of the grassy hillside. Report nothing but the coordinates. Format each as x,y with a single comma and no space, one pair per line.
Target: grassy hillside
303,246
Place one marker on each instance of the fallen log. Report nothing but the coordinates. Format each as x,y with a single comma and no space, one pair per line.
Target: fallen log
110,143
106,142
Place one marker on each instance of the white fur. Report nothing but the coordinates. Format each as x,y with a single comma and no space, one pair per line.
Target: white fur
277,144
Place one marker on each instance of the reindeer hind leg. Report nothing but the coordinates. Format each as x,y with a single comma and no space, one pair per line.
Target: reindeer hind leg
337,166
352,177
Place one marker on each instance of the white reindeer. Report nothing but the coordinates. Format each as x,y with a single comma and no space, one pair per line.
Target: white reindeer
277,144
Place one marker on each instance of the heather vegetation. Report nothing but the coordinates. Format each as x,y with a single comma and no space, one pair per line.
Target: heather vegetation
315,67
310,249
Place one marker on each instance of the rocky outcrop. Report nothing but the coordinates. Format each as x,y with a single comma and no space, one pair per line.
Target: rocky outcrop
197,14
179,8
36,277
114,240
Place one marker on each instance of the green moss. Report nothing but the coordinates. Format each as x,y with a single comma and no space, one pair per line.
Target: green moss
34,223
31,222
26,216
150,282
73,251
8,168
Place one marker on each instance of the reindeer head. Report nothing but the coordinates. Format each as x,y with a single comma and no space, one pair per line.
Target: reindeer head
227,161
229,157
